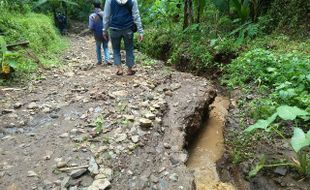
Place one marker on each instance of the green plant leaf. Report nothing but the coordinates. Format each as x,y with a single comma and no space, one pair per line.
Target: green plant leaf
262,124
290,113
300,139
12,63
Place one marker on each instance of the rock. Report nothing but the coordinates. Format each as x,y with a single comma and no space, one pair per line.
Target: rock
129,117
12,187
73,188
65,183
32,105
280,170
154,179
17,105
32,174
178,158
105,173
173,177
167,146
175,86
64,135
77,173
7,111
135,138
150,116
99,184
121,137
145,122
93,167
61,164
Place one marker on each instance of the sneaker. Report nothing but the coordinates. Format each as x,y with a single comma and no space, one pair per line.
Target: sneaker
109,63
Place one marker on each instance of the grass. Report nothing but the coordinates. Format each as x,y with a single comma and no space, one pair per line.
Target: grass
45,42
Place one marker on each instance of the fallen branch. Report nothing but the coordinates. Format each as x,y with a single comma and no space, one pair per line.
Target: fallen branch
72,168
24,43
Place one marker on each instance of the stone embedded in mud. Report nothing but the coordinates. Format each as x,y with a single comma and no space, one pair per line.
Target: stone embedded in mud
105,173
175,86
12,187
61,164
145,122
150,116
32,105
99,184
173,177
280,170
177,158
64,135
32,174
77,173
121,137
17,105
65,183
73,188
129,117
135,138
93,167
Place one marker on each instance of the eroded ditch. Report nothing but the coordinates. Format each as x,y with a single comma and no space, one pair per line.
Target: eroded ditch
208,147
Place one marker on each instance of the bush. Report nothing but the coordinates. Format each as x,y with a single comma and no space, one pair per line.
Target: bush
291,16
39,30
280,78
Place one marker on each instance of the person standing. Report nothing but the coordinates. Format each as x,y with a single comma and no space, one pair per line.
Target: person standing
123,18
96,25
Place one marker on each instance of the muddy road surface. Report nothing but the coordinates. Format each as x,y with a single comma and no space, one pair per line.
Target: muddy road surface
81,127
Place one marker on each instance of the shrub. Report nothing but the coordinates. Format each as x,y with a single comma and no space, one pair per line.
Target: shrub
282,78
39,30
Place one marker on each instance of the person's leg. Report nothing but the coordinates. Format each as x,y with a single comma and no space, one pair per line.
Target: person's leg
129,47
106,52
98,51
116,37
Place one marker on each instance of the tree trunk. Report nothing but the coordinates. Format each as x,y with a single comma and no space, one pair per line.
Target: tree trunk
188,13
198,11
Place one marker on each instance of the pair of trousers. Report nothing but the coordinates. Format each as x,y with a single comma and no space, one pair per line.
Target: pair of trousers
104,44
116,38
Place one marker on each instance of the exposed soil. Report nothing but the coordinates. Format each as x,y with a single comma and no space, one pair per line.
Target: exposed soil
208,148
135,127
275,178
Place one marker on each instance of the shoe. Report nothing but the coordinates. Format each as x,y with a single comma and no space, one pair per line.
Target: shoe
131,72
99,63
109,63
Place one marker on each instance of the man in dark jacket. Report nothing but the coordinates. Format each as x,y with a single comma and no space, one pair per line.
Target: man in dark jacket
96,25
121,16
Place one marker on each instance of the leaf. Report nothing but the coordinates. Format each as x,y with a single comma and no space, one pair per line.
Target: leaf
12,63
262,124
271,69
300,139
290,113
2,44
40,3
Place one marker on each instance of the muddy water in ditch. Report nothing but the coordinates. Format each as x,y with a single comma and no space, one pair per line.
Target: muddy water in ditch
208,147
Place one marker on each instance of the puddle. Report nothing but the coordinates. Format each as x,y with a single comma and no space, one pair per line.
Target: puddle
208,147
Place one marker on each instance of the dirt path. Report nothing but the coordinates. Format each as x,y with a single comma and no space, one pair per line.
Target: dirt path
130,131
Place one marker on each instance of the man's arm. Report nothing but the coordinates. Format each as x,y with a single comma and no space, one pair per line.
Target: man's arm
91,22
136,16
106,16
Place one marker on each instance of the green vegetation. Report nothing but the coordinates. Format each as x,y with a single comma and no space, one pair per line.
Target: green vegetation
44,41
259,47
